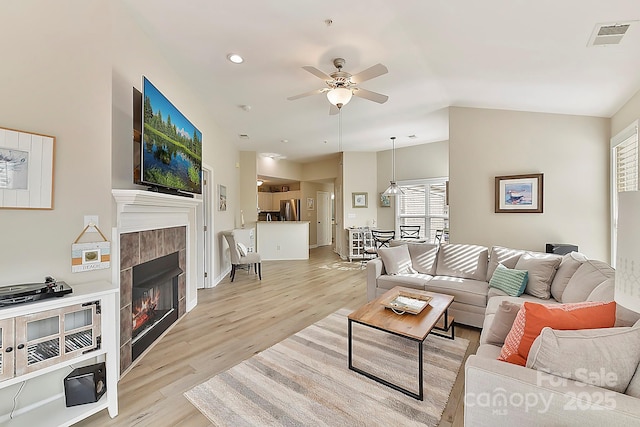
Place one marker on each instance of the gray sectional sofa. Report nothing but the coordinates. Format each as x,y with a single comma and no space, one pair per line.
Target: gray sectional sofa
498,393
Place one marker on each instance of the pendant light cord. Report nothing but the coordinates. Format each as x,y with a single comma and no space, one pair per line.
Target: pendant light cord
393,158
340,130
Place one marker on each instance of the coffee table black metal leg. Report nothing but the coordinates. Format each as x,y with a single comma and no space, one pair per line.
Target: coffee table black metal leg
418,396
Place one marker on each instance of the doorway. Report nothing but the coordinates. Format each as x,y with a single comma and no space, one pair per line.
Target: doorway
205,226
324,218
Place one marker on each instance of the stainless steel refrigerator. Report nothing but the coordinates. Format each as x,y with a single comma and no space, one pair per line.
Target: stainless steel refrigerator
290,210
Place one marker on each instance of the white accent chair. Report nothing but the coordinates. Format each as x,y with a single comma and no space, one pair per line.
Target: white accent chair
239,259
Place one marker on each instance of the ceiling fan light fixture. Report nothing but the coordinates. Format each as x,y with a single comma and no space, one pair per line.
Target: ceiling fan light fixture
339,96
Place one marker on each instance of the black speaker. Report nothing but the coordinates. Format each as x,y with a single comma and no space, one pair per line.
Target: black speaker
561,248
85,385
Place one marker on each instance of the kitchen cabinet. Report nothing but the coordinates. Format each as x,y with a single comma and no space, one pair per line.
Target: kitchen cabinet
265,201
43,341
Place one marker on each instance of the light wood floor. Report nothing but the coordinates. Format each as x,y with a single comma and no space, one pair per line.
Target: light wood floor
234,321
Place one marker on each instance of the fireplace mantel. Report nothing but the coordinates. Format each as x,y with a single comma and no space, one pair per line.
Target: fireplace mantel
140,210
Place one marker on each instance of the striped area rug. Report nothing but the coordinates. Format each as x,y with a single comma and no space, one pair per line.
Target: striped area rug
305,381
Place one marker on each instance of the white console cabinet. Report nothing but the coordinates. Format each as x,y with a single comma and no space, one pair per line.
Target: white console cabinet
42,342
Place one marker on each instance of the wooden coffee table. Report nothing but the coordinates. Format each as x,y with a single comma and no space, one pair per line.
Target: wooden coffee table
415,327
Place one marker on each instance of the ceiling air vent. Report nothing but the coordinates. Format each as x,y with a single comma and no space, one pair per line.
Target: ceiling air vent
608,34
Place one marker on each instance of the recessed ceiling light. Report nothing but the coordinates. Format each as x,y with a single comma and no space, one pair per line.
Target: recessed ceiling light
235,58
284,140
243,136
413,136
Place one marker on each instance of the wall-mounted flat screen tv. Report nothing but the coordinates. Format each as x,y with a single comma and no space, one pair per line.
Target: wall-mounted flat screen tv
171,149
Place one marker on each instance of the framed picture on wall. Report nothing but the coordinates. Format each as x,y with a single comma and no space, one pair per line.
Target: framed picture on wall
26,170
222,198
385,201
519,193
359,200
310,203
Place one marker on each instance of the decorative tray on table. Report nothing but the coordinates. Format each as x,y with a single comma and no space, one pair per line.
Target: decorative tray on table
406,302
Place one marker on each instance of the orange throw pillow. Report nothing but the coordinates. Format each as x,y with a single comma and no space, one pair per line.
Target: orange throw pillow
532,317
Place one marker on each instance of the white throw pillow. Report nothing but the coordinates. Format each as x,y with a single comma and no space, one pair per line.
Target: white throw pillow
242,249
396,260
605,357
541,268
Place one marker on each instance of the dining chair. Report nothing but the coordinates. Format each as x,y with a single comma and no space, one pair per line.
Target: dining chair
409,231
240,256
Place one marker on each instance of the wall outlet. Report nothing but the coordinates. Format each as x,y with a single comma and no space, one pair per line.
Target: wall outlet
91,219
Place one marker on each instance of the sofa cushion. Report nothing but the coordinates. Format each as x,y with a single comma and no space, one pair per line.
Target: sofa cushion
414,280
634,386
568,266
464,291
396,259
505,256
589,275
509,280
532,317
502,323
464,261
605,358
541,268
423,256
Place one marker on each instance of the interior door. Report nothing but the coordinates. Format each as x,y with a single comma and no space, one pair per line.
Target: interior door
324,218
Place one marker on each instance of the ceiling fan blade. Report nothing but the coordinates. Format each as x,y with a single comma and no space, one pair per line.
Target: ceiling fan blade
371,96
369,73
317,73
311,92
333,110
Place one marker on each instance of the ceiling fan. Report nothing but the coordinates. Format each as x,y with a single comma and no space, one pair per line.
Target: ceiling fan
342,85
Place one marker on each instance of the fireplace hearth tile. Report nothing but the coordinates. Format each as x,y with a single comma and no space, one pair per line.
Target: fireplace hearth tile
125,356
129,250
182,288
182,260
182,307
169,239
126,324
126,282
148,245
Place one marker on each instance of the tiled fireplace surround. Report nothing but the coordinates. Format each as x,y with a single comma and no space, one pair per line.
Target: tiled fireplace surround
148,226
137,248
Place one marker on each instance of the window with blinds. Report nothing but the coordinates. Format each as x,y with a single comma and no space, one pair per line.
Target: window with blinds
624,174
626,157
423,204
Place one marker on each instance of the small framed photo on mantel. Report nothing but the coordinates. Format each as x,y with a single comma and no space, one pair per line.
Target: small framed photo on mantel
519,193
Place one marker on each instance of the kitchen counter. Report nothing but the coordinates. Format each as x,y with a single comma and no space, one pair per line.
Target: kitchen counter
283,240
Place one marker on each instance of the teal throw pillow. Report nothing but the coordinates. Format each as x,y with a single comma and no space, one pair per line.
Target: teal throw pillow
513,282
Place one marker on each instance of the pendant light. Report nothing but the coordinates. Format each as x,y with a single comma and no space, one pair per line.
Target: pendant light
393,189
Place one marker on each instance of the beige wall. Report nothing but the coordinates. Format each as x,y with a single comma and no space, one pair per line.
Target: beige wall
56,80
415,162
626,115
359,170
135,55
248,189
571,151
284,168
326,169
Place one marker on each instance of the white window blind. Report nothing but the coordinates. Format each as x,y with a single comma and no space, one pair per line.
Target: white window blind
423,204
626,158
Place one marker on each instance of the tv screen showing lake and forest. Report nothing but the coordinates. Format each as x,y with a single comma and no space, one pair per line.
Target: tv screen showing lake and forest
171,145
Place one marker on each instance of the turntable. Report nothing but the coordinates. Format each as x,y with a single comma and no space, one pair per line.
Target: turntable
29,292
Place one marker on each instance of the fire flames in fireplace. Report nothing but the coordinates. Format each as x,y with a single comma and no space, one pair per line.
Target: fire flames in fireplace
144,309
